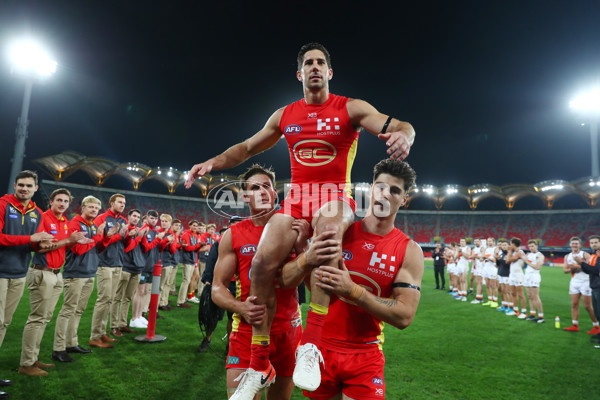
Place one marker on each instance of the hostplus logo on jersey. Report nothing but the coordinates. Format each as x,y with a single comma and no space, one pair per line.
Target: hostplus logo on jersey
378,264
325,125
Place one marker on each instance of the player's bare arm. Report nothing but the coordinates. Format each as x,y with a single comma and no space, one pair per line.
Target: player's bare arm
322,249
398,136
262,140
399,310
224,271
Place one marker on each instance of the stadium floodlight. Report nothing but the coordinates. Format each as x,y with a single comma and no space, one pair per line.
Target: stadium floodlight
589,104
30,60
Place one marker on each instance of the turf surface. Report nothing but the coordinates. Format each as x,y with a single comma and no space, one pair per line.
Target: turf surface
453,350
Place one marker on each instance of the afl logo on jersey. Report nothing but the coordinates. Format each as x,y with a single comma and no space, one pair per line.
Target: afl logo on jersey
347,255
314,153
248,250
378,381
292,129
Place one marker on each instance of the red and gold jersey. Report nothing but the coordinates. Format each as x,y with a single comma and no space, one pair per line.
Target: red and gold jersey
321,140
373,262
244,239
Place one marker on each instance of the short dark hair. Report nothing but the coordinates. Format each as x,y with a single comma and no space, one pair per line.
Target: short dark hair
192,222
575,239
134,210
312,46
176,221
594,237
502,240
61,191
516,241
152,213
256,169
27,174
399,169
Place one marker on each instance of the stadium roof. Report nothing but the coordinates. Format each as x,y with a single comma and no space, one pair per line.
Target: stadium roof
61,166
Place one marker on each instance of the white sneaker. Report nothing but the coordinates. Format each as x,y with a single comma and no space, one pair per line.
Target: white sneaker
144,320
307,374
194,300
137,323
522,316
476,301
463,298
252,382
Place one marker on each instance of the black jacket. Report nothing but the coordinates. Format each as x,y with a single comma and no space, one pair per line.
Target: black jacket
592,271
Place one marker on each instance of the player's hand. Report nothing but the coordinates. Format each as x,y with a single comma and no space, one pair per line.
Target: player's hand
198,171
123,231
171,238
323,249
304,231
100,229
578,260
85,241
41,236
253,313
143,231
162,234
76,237
397,143
133,232
113,229
334,280
47,244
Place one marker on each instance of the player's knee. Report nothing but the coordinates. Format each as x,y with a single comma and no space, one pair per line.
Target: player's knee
262,263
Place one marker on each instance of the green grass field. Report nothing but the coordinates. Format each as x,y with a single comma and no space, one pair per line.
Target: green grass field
453,350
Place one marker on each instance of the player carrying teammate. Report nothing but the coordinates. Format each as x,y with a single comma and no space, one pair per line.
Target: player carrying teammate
322,132
379,281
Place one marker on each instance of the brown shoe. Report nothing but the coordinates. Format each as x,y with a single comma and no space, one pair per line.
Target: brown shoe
32,370
184,305
165,308
107,339
126,329
172,293
116,332
100,343
42,365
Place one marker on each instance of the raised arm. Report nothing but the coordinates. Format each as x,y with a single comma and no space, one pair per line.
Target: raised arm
262,140
398,135
399,310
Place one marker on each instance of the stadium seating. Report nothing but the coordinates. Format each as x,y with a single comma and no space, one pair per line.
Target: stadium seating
553,227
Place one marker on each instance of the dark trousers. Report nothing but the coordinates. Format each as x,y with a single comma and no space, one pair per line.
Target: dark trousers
439,272
596,302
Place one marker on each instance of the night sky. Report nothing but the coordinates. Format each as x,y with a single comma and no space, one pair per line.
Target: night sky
486,84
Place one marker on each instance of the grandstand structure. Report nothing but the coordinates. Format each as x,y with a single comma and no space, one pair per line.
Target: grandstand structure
553,227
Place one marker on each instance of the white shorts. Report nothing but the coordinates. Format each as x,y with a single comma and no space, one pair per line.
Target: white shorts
462,268
577,287
490,271
503,280
532,279
516,279
452,268
477,269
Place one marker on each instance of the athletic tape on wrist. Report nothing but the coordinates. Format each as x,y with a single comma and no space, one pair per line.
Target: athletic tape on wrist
356,292
387,123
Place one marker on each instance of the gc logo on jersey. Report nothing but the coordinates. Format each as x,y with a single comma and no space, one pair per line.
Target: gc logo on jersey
292,129
314,153
248,250
378,381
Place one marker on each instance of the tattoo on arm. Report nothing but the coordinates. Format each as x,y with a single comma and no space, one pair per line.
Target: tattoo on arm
386,302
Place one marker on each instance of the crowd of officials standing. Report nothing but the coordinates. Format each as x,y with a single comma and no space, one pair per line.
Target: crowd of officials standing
52,256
